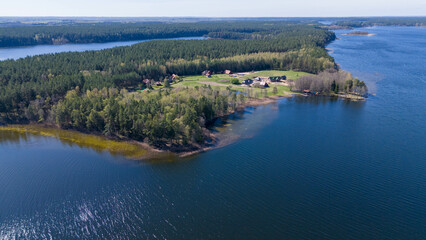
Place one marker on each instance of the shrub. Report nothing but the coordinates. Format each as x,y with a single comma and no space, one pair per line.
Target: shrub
235,81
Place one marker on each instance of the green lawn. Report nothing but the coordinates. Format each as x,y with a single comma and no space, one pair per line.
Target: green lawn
268,73
192,81
214,78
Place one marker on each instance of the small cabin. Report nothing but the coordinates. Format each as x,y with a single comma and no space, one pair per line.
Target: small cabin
158,84
257,79
227,72
247,82
306,91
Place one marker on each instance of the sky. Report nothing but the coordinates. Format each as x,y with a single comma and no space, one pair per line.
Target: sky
213,8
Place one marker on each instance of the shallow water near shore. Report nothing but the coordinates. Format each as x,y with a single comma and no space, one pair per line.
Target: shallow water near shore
300,168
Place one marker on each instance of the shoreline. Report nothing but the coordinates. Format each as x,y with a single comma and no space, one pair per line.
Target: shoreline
137,150
122,146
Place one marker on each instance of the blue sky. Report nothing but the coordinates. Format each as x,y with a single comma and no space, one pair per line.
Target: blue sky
213,8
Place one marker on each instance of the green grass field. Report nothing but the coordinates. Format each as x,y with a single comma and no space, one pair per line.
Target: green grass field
270,73
221,81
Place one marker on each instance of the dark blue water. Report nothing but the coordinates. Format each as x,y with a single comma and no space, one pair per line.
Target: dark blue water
303,168
21,52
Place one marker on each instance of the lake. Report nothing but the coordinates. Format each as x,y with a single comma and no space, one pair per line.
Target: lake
302,168
22,52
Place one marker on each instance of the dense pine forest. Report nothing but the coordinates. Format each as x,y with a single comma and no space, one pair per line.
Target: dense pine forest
115,31
89,91
63,31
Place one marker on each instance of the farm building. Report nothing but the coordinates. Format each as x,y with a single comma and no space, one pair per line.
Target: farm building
247,82
207,73
277,79
264,84
261,84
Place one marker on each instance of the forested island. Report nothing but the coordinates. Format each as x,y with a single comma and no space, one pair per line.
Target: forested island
362,22
101,91
23,35
359,33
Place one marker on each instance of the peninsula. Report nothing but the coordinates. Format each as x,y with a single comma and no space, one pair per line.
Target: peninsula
153,93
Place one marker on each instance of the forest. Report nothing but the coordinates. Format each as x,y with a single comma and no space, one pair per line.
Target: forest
178,116
26,35
79,31
330,81
93,91
380,21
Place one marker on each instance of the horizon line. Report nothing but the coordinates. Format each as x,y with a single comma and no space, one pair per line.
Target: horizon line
359,16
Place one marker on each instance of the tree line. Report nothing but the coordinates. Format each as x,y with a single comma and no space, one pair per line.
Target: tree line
171,116
13,36
380,21
330,81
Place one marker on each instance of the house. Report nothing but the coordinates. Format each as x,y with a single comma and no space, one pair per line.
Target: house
261,84
146,81
174,76
227,72
247,82
264,84
257,79
272,79
277,79
207,73
158,84
306,91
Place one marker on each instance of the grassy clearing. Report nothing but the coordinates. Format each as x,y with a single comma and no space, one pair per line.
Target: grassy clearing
192,81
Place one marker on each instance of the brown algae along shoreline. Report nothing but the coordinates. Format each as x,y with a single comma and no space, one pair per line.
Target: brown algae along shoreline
74,138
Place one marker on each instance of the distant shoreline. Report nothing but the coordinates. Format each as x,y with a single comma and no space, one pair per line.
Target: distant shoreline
360,33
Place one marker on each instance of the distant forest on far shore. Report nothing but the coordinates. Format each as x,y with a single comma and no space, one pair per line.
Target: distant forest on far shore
16,32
